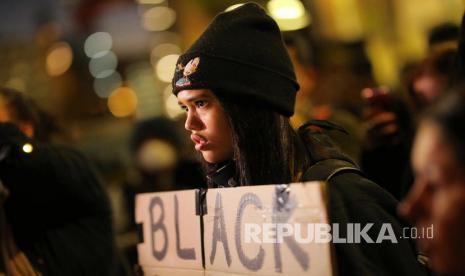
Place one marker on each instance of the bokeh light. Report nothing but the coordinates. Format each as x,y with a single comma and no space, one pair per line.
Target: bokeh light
59,59
97,44
103,66
122,102
171,103
158,18
104,86
27,148
289,14
165,67
162,50
156,154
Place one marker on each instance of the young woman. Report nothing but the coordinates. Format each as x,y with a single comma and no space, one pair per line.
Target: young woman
237,86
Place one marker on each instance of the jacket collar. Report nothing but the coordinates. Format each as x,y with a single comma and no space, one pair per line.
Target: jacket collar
224,175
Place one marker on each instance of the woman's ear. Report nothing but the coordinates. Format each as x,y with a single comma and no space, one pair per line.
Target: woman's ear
27,128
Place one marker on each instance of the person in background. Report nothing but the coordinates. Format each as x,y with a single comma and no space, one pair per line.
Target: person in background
432,77
238,88
299,49
437,197
56,214
390,124
156,146
386,145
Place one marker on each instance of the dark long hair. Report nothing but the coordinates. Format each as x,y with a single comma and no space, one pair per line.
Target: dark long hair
267,150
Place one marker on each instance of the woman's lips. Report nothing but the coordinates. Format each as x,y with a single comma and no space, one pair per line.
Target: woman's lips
200,142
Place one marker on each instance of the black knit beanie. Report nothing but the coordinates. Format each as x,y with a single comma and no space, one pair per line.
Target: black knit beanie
241,53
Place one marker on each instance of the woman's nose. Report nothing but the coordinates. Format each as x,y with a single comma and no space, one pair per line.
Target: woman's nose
192,121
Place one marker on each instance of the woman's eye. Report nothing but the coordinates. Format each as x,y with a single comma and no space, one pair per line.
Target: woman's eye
200,103
183,107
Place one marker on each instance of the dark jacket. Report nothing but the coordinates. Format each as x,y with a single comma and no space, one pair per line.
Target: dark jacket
352,198
57,208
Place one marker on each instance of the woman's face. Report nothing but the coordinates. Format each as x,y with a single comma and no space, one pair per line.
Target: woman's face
438,198
207,122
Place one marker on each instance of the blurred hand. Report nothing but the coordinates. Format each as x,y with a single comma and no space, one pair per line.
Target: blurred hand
381,128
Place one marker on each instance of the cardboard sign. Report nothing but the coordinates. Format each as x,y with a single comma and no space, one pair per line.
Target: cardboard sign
160,271
232,210
237,231
171,232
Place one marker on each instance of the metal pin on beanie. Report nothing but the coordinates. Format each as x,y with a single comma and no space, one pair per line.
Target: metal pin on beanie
189,69
242,53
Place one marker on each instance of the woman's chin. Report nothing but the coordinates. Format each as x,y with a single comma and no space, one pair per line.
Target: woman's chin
213,158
